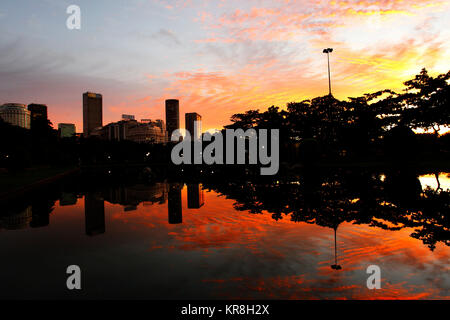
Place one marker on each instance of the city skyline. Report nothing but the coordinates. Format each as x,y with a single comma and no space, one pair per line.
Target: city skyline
212,57
184,151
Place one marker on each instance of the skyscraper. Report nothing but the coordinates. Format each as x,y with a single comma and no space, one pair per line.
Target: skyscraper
194,125
92,112
172,117
38,112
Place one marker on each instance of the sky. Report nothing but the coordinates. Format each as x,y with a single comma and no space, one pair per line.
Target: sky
218,57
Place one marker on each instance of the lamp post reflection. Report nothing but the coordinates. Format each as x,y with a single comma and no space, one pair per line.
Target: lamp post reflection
335,266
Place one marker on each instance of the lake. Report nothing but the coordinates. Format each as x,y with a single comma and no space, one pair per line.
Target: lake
300,238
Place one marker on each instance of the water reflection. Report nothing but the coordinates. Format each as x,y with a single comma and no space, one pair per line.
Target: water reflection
68,199
196,196
19,220
310,236
94,210
392,202
174,207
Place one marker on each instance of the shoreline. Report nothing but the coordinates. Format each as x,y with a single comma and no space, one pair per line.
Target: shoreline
28,187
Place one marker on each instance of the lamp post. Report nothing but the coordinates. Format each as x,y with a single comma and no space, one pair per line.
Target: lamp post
328,51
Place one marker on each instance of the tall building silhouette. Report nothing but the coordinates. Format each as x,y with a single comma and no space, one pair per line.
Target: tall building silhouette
172,117
194,125
38,112
92,112
195,196
174,204
94,211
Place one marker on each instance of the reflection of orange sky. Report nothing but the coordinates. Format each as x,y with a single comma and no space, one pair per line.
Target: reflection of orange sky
429,180
216,228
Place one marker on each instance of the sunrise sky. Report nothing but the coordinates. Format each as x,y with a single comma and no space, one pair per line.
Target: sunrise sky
218,57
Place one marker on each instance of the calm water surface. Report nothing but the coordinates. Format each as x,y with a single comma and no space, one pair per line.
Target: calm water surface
175,241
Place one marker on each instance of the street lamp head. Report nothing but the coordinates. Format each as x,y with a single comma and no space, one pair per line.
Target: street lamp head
328,50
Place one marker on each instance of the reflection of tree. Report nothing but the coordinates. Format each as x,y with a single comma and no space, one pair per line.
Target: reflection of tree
33,210
360,197
433,217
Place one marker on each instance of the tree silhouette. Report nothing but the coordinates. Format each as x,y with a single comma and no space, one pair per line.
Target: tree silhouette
428,101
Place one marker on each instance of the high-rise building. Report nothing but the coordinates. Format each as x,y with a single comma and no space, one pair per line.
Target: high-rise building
172,117
66,130
92,112
38,112
194,125
16,114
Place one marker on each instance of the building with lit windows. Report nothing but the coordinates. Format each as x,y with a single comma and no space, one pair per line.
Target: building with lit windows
146,131
66,130
16,114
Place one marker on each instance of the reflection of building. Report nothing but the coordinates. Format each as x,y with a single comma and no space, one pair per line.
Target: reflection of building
16,114
66,130
195,196
17,221
68,199
174,204
194,125
130,197
94,211
172,117
41,209
38,112
92,112
130,208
